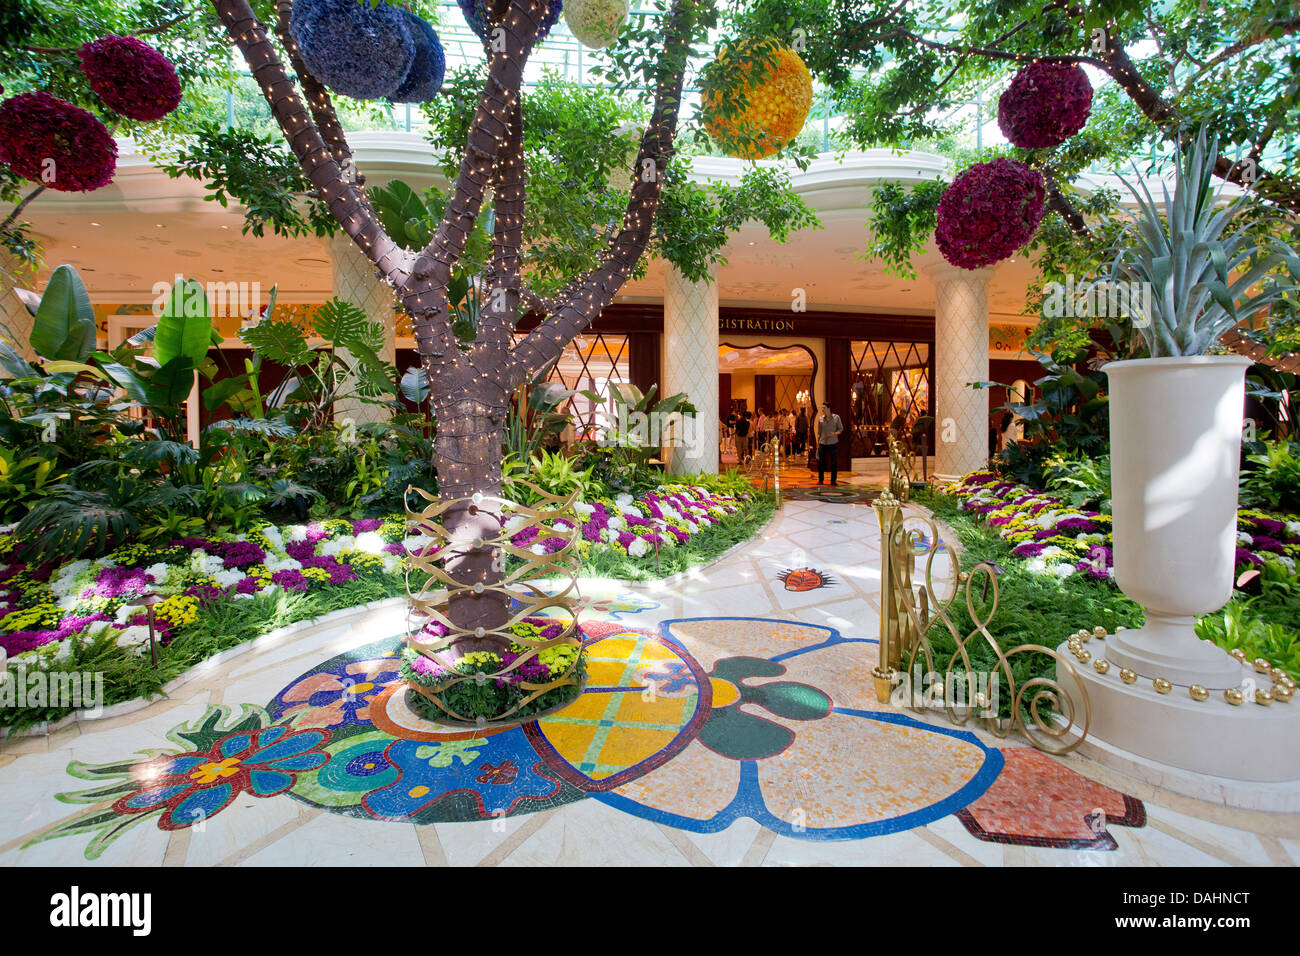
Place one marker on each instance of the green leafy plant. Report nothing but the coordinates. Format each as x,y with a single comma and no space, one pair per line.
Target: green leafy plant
1082,481
1272,479
1199,271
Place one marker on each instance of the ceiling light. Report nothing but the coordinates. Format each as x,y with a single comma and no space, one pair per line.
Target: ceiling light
94,224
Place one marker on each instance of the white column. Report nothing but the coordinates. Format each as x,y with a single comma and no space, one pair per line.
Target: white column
356,281
961,344
15,320
690,361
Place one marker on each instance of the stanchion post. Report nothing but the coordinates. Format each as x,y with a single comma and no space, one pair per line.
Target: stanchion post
889,513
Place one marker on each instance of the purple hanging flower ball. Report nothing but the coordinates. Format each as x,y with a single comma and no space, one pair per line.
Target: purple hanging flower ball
989,211
1045,105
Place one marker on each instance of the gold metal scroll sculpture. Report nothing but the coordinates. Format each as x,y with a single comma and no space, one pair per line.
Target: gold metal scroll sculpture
917,607
901,463
425,575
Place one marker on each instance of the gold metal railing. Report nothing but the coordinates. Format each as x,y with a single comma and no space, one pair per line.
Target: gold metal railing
901,462
1046,711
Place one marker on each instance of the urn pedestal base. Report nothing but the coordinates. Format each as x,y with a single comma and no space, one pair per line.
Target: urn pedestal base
1242,755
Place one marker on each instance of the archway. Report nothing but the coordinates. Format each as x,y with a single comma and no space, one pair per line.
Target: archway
765,379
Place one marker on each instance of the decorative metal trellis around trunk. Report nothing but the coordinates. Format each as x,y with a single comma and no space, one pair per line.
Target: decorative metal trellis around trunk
1044,710
430,630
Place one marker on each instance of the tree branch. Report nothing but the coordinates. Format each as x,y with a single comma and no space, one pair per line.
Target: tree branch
18,209
509,184
323,113
545,343
1057,201
150,31
424,289
345,200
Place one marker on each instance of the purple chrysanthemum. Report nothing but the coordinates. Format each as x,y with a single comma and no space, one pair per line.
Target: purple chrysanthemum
1045,105
988,212
52,142
131,77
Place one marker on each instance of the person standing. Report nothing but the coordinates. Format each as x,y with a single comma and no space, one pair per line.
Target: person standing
828,428
801,432
742,438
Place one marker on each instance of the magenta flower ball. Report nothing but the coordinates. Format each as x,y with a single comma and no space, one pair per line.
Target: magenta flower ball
131,77
989,211
56,144
1045,105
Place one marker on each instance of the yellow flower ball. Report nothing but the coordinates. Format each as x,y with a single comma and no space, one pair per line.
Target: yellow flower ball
777,97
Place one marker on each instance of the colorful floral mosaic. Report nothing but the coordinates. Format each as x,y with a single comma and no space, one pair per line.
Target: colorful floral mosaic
1038,801
679,726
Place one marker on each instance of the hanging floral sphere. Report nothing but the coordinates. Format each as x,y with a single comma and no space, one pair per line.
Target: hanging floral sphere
353,48
483,15
989,211
131,77
1045,105
777,93
424,82
56,144
596,23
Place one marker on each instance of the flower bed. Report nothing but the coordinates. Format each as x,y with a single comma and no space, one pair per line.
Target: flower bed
46,610
501,694
636,526
1057,539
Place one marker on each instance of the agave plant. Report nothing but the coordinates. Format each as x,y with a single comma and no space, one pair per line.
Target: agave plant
1203,265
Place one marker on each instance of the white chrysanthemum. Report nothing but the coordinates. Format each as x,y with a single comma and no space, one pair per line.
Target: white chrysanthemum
67,602
623,501
607,535
124,613
391,562
537,549
244,597
1035,565
514,523
205,563
133,639
639,548
1051,551
562,525
618,522
370,542
1293,529
1063,570
158,572
417,541
97,627
272,534
583,508
331,549
295,533
283,564
229,578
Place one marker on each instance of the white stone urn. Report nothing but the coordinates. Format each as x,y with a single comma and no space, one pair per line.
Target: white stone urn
1175,433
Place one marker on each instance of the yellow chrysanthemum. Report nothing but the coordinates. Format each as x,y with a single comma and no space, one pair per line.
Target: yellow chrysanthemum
777,99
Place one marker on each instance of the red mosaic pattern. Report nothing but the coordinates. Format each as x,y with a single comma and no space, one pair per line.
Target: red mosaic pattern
1037,801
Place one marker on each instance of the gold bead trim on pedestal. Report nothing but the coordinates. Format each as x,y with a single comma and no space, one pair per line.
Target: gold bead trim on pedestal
430,576
1282,690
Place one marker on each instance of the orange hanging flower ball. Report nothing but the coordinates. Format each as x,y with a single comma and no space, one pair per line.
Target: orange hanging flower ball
757,102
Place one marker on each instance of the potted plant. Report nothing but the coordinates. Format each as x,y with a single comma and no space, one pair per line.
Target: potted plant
1195,266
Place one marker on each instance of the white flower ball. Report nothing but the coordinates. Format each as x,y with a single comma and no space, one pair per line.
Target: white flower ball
370,542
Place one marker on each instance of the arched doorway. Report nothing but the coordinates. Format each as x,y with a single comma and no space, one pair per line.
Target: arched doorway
765,378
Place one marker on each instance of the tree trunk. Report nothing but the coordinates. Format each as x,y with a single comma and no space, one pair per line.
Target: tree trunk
468,449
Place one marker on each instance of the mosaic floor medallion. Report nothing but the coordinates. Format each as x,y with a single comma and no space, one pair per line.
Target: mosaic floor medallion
804,579
695,724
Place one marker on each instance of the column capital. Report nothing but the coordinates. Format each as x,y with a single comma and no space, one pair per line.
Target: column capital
947,272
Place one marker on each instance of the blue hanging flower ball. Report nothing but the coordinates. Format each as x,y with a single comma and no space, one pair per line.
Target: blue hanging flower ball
483,15
424,82
353,48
